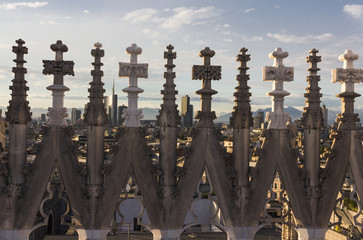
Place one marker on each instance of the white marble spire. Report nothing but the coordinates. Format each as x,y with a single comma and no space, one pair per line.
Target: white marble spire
133,70
347,75
57,113
279,74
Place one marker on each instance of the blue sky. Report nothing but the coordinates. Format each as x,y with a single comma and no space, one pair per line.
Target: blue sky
224,26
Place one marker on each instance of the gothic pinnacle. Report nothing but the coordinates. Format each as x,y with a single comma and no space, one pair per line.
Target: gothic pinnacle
241,115
95,113
312,116
169,107
18,109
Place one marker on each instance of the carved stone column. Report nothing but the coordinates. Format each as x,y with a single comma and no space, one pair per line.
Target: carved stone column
18,116
311,233
241,121
312,120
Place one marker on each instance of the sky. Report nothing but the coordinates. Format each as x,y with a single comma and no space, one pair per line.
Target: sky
190,25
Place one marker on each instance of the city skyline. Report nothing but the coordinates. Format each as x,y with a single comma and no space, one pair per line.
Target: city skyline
331,27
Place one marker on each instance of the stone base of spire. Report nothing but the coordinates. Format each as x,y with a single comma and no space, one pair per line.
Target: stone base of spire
277,120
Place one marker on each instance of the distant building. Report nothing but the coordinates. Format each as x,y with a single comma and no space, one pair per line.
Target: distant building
43,117
186,112
111,106
120,119
325,116
258,120
75,115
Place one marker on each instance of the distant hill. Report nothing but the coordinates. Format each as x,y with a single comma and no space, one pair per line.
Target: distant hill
294,113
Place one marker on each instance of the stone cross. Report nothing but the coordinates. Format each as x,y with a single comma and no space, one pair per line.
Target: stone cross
347,75
206,73
58,68
278,73
133,70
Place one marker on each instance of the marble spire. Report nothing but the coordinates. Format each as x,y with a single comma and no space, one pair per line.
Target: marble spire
133,71
18,109
95,113
57,113
241,115
279,74
348,76
312,116
206,73
169,92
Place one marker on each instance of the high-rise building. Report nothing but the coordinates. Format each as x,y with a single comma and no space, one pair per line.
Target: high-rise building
111,106
120,119
75,115
42,117
325,116
186,112
258,119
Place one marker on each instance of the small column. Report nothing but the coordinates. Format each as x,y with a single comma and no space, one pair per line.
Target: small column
57,113
18,116
348,76
133,71
311,233
241,121
168,120
206,73
279,74
95,118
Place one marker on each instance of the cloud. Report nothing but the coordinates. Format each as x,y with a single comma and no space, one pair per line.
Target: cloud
50,22
285,38
354,10
142,15
253,39
85,11
176,19
249,10
13,6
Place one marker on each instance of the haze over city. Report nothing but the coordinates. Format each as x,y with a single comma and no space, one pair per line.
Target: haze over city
224,26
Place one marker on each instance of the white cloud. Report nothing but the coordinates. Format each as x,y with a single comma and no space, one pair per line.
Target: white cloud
176,19
249,10
285,38
142,15
253,39
354,10
50,22
227,40
185,16
226,25
85,11
13,6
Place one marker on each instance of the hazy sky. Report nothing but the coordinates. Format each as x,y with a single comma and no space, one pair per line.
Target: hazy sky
190,25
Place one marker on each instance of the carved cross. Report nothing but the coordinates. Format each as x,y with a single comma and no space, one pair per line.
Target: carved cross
170,55
278,73
20,50
133,70
206,73
347,75
313,59
58,68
